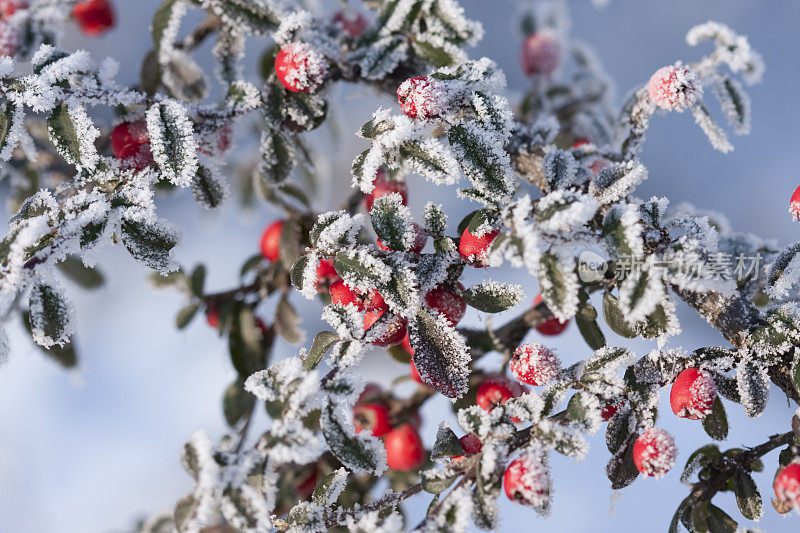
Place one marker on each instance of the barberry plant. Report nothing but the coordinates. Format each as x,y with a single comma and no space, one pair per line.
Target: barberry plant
553,179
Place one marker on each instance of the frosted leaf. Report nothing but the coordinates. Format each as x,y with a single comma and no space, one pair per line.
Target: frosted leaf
735,103
435,219
246,509
335,230
484,160
360,453
640,293
392,222
52,316
346,320
560,169
453,515
493,297
558,282
527,407
617,181
306,517
372,522
715,135
288,383
73,134
752,383
381,58
4,346
206,492
331,487
440,354
564,210
288,441
16,131
622,233
361,269
731,49
608,359
783,275
209,188
345,354
151,243
172,142
475,420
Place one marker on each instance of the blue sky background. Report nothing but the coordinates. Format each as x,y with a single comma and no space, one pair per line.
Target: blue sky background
95,449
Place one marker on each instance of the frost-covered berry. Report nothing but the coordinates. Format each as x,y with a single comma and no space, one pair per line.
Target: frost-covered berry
495,391
341,293
447,302
551,326
127,133
693,394
412,368
9,7
421,97
9,39
374,301
540,53
674,88
535,364
654,452
300,68
794,204
271,241
527,481
392,332
471,445
420,238
787,486
474,247
372,416
383,186
94,16
326,271
404,448
137,156
351,21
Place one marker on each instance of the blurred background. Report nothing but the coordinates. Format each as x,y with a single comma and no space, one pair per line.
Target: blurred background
95,449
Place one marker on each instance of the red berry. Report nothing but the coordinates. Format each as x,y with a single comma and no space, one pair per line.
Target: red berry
693,394
383,186
127,133
370,392
535,364
609,411
9,39
307,484
404,448
495,391
597,165
447,302
787,486
475,247
540,53
794,204
412,368
212,317
471,445
674,88
527,481
341,293
9,7
326,271
392,332
375,302
271,240
94,16
372,416
580,142
654,452
551,326
137,156
420,238
300,68
410,349
421,97
351,21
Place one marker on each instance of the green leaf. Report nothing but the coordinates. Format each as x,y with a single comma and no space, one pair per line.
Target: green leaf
487,171
431,53
244,342
747,496
64,134
149,243
619,430
621,469
277,157
391,221
716,423
185,513
289,243
357,452
493,297
325,486
87,277
161,21
322,343
6,120
591,332
719,521
207,189
432,161
346,265
447,444
176,151
197,280
287,322
558,285
185,315
435,484
237,403
579,410
50,315
615,318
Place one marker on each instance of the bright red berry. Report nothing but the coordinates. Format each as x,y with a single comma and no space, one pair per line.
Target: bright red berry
497,390
674,88
127,133
9,7
471,445
94,16
551,326
412,368
527,481
383,186
794,204
421,97
535,364
9,39
341,293
654,452
372,416
540,53
392,331
374,301
787,486
300,68
404,448
420,238
447,302
693,394
271,241
410,349
580,142
474,248
351,21
326,271
137,156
